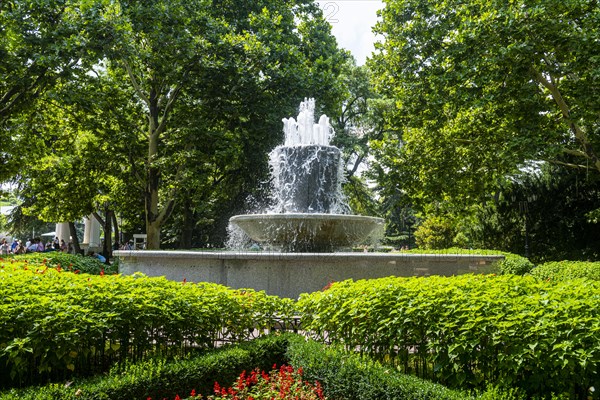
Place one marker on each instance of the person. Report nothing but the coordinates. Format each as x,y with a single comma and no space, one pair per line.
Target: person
20,249
4,247
63,246
13,246
40,245
33,246
97,255
56,243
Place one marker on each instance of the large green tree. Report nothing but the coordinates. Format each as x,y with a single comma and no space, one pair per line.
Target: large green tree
481,88
184,96
40,46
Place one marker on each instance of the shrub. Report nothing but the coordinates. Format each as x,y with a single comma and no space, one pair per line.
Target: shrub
57,325
567,270
161,378
469,331
514,264
68,262
345,375
435,233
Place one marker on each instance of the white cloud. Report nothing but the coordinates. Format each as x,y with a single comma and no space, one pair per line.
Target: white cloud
352,22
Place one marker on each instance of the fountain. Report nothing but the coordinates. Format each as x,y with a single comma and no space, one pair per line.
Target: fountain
304,233
309,213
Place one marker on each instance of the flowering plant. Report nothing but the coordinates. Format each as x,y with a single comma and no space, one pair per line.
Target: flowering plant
282,383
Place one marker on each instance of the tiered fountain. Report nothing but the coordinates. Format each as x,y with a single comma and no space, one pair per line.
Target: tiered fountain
309,213
304,233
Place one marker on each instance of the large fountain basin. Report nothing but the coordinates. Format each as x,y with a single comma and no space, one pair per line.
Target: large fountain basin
314,232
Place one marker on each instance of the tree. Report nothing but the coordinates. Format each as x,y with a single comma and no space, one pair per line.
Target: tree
233,61
40,46
551,211
185,97
483,87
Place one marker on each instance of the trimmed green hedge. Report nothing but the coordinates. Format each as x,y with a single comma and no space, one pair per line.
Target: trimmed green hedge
57,324
469,331
567,270
159,378
346,375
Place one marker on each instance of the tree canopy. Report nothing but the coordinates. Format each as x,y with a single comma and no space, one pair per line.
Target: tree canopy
173,102
482,88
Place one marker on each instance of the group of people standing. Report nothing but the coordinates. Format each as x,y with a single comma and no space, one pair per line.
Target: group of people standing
35,245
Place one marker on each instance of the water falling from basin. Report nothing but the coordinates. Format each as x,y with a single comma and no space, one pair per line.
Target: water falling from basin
310,213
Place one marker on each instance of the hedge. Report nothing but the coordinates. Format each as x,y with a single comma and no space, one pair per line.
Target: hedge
57,324
469,331
567,270
347,375
69,262
160,378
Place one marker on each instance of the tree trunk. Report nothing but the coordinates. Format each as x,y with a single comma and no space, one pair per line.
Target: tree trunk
107,245
74,238
153,221
187,230
116,229
106,223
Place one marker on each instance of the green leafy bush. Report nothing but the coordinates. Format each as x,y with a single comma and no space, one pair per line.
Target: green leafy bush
160,378
70,262
435,233
57,324
567,270
514,264
469,331
346,375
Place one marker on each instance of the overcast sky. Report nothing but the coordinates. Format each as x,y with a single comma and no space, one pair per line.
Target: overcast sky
352,21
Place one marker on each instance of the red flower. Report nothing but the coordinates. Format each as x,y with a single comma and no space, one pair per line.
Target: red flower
193,393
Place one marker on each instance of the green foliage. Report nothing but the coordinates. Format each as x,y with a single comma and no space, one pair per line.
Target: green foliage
159,378
68,262
58,324
567,270
482,87
468,331
435,233
555,204
346,375
514,264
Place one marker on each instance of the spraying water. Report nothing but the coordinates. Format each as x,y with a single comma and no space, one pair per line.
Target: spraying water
309,211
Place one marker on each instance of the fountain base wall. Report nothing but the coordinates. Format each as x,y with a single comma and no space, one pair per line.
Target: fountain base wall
290,274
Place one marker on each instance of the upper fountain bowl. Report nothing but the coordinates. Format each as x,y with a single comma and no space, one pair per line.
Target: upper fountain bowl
309,232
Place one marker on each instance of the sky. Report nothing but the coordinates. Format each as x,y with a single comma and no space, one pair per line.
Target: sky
352,21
